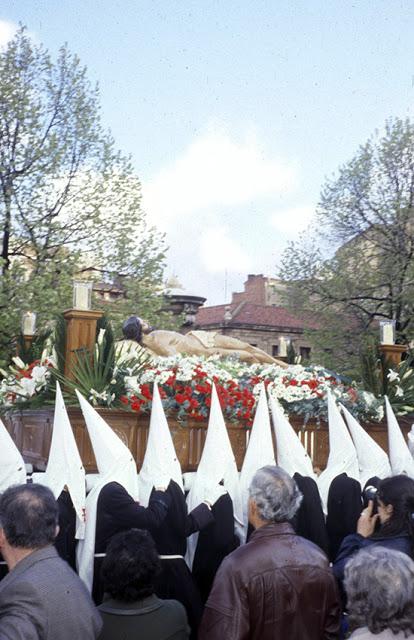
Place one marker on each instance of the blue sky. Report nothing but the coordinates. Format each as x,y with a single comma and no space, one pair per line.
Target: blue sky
234,112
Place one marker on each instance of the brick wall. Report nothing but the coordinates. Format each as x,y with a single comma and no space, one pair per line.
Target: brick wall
254,290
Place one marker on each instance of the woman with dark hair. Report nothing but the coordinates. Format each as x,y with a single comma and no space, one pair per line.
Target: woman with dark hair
131,610
379,584
395,505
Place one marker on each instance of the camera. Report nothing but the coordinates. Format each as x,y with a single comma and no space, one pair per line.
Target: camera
370,493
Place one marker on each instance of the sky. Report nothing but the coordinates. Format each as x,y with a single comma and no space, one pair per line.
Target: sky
234,113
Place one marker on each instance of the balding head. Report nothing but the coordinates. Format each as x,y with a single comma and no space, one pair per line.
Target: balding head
28,516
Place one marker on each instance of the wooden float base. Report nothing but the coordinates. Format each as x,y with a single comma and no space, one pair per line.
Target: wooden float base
31,430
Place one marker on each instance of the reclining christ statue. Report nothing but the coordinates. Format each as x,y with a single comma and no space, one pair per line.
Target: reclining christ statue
160,342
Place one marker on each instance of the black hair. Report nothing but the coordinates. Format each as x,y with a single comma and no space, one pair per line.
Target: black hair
29,516
130,566
132,329
397,491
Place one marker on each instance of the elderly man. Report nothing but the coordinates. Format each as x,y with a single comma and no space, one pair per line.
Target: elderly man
41,598
278,586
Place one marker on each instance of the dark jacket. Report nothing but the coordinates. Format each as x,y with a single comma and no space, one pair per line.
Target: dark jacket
278,586
354,542
150,618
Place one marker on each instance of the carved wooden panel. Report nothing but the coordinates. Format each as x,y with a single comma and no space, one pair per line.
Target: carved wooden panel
31,430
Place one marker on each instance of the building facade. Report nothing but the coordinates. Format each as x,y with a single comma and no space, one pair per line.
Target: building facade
256,315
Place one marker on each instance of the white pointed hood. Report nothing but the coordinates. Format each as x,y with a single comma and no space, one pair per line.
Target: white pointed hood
342,453
64,466
12,468
217,463
372,459
111,454
115,463
400,457
160,463
291,454
259,452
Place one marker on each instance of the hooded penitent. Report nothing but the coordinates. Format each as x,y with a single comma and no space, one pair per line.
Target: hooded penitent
342,453
258,454
401,459
291,454
160,463
115,463
372,460
217,464
12,468
64,466
344,509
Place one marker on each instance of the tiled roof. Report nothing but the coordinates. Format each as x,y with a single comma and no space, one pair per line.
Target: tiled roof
252,314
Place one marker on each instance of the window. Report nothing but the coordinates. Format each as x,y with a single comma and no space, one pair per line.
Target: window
275,350
305,353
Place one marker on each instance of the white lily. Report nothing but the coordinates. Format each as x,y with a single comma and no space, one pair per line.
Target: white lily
19,362
393,376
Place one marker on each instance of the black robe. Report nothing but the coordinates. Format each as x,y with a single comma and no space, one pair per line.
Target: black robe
309,520
176,581
344,509
65,542
117,511
215,542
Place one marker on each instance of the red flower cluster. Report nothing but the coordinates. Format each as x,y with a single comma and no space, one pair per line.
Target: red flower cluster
192,399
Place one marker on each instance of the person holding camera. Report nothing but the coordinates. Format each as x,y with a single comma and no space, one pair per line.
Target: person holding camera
388,521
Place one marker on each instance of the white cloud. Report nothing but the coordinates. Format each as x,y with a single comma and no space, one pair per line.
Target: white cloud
215,171
219,252
293,219
7,31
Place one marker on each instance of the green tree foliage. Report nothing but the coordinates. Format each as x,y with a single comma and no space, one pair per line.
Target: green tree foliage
68,198
356,265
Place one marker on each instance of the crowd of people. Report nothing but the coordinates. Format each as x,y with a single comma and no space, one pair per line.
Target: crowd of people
270,553
279,584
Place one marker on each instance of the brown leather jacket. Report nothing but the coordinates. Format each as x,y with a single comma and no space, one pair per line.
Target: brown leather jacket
278,586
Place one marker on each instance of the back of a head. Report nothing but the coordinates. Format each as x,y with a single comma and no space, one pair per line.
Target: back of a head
398,491
379,583
29,516
130,566
275,493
